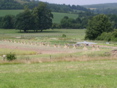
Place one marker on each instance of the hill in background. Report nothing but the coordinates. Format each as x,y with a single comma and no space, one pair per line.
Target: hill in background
107,8
102,6
19,4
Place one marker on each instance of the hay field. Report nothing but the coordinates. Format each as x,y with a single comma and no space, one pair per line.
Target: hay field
50,44
41,63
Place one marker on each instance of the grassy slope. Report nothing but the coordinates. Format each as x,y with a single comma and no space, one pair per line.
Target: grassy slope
59,16
56,19
93,74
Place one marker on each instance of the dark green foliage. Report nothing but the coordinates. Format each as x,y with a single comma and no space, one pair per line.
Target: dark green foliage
10,57
64,36
10,4
105,36
8,22
55,25
67,22
43,17
25,20
1,22
111,36
97,25
39,18
113,18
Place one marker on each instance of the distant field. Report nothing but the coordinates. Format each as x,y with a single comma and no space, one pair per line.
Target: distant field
59,16
9,12
56,19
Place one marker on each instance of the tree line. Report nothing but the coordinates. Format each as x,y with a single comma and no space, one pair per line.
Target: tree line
39,18
13,4
10,4
105,11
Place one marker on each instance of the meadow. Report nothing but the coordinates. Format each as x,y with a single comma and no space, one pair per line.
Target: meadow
73,68
89,74
56,19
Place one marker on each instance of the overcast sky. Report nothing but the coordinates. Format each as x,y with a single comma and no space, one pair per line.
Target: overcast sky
80,2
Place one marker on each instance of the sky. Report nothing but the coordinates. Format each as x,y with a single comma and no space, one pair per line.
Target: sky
80,2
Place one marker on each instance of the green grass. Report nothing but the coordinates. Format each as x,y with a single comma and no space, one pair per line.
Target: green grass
62,73
57,16
91,74
55,33
9,12
4,51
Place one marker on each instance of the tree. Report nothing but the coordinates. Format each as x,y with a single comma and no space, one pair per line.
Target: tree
43,17
25,21
7,22
97,25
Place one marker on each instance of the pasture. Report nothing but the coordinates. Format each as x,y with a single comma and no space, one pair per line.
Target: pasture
57,16
91,74
45,61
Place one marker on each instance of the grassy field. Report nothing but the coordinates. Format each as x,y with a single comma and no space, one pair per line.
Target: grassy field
82,69
91,74
57,16
55,33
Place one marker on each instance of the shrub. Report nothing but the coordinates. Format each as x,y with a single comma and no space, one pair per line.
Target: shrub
10,56
63,35
110,36
105,36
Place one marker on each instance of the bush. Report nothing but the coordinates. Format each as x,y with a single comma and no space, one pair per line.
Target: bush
110,36
64,36
105,36
10,56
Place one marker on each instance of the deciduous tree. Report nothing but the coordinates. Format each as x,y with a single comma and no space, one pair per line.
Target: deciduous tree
97,25
25,20
43,17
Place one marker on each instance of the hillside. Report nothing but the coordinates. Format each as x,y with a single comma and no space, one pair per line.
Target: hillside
19,4
102,6
22,1
107,8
